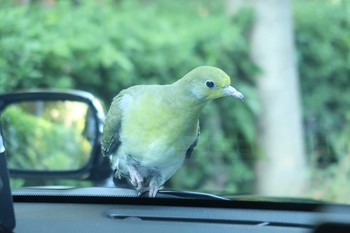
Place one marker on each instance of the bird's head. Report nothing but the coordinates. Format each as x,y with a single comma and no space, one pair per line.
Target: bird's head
208,83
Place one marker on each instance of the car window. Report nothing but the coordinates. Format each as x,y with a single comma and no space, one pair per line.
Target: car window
287,138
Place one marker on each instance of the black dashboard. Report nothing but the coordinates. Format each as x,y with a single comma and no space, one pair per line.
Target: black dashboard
82,210
65,217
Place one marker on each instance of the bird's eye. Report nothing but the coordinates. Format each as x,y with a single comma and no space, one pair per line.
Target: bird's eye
209,83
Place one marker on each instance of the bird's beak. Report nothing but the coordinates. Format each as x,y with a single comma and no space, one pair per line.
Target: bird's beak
231,91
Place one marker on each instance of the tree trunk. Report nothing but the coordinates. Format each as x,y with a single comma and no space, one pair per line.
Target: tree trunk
281,170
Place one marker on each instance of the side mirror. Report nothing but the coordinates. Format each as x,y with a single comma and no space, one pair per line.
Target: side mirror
53,134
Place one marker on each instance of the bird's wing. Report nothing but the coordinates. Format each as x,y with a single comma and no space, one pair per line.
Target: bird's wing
194,144
110,137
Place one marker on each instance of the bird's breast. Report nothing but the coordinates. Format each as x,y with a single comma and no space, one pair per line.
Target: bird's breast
155,131
156,147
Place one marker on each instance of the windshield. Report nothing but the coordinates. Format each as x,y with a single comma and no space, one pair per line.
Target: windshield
289,137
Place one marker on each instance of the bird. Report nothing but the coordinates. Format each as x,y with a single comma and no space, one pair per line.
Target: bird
150,130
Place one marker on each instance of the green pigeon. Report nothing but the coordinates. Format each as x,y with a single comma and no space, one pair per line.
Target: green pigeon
149,130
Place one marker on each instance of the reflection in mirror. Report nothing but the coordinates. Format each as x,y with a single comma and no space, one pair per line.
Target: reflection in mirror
48,135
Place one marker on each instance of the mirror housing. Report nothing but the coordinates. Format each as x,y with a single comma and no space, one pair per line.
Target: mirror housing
95,167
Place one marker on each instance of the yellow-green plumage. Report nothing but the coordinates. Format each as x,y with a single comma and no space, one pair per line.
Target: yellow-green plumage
149,128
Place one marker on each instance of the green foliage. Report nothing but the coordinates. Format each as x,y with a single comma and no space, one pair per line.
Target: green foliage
35,143
323,42
104,47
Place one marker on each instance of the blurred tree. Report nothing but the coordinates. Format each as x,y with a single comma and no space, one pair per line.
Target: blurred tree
279,122
103,48
44,2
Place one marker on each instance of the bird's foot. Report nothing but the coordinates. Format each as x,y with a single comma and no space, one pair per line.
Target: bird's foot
135,179
153,191
117,174
154,186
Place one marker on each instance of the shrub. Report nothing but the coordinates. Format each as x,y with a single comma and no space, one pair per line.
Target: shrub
103,48
323,43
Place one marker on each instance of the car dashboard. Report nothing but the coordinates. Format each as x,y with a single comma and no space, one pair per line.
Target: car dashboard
102,210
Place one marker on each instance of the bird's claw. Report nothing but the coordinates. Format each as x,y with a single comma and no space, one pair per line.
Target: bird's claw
136,179
153,192
154,186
